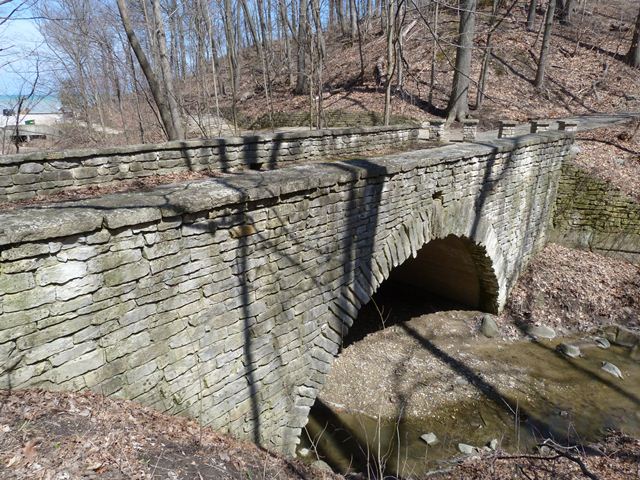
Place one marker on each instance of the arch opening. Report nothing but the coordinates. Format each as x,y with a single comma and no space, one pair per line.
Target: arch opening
449,273
454,268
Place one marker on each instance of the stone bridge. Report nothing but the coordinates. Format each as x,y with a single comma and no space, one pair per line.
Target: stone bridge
227,299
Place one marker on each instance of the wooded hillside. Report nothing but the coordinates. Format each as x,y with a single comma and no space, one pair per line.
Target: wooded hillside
147,70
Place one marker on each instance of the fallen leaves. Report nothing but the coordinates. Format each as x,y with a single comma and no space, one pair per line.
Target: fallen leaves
573,290
29,450
83,435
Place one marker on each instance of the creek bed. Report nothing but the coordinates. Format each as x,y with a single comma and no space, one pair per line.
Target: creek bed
435,373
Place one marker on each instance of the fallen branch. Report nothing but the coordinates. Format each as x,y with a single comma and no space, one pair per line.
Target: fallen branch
563,451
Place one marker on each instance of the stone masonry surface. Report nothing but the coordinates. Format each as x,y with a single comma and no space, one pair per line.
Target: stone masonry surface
40,174
592,214
226,299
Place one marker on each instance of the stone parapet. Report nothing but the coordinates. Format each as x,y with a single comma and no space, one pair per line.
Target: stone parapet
469,130
538,126
507,129
438,130
42,174
568,125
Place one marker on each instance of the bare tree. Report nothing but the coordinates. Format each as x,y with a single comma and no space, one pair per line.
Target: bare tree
167,75
353,16
162,92
546,42
391,35
24,100
633,56
566,10
494,23
14,7
301,78
531,17
458,107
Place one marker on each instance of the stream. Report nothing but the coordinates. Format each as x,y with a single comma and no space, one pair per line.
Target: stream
434,373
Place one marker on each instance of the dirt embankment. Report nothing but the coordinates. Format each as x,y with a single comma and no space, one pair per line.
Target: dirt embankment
575,291
613,155
69,436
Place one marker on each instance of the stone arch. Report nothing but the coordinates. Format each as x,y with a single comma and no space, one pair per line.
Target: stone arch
452,267
403,242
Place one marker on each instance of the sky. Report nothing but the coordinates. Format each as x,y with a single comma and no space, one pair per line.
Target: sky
23,37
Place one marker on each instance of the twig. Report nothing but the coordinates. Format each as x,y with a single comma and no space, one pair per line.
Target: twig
526,456
563,452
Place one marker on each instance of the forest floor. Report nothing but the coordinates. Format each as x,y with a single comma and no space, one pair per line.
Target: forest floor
613,155
68,436
586,73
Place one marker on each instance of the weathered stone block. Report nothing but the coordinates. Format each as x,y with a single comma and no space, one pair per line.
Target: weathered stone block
60,273
16,283
31,168
112,260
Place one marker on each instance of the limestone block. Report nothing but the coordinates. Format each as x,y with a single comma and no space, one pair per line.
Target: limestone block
60,273
111,260
16,283
31,168
28,299
126,273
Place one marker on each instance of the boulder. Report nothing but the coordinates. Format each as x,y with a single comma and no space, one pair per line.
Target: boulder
429,438
467,449
612,369
602,342
489,327
323,466
626,337
541,331
570,351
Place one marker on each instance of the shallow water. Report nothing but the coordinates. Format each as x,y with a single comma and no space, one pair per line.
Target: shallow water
551,396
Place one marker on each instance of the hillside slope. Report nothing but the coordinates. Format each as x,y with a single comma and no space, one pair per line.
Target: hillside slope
586,71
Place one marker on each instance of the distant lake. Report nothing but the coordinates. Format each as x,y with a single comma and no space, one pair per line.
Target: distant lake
37,104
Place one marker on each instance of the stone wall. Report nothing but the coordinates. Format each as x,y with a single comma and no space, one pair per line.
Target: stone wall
593,214
227,299
28,175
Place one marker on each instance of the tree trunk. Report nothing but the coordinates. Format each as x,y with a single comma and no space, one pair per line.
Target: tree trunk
286,30
633,56
565,11
494,23
301,80
434,31
546,40
353,16
167,75
214,63
531,17
157,90
340,15
390,14
232,58
458,107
